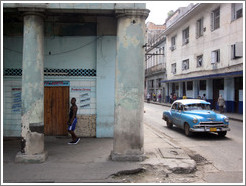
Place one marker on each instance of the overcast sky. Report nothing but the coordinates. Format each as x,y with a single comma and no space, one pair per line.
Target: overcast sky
159,9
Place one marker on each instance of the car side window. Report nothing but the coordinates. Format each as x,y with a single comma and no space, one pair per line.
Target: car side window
174,107
181,107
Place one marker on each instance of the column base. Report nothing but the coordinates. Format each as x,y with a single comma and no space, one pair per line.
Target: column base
127,157
33,158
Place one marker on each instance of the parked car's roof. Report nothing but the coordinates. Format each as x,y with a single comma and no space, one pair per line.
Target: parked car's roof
191,101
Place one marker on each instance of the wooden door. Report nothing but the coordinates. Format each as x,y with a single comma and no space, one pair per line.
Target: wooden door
56,110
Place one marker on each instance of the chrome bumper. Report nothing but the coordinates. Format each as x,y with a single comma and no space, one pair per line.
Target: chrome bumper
206,128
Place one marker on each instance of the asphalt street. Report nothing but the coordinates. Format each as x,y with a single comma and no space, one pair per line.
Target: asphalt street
224,156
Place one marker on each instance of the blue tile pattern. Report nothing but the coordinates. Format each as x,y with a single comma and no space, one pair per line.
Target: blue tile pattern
54,72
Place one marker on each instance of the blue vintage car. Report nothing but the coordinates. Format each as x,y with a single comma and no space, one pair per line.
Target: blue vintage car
194,115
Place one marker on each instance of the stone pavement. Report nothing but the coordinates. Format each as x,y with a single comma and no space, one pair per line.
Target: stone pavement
89,161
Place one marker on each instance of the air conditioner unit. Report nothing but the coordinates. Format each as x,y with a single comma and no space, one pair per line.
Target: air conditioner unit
172,48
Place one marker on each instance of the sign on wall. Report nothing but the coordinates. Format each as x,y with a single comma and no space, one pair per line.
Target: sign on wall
56,83
16,100
83,94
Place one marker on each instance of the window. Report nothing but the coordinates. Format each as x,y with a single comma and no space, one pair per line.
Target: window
215,56
189,85
174,68
158,82
151,83
185,64
202,84
215,19
199,28
199,60
236,11
175,106
186,36
237,50
173,43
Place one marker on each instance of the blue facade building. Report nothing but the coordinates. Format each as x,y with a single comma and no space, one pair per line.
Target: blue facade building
53,52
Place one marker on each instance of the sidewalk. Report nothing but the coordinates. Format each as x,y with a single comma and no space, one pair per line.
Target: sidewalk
89,162
232,116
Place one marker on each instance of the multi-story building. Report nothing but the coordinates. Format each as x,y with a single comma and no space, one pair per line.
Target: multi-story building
155,61
205,53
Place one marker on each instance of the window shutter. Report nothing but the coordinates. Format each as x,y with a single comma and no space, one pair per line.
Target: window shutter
213,57
239,49
212,21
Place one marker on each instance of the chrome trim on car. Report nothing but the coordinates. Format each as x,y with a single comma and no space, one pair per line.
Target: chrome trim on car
207,129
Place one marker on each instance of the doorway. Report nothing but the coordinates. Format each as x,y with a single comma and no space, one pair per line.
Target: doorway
238,82
218,84
56,108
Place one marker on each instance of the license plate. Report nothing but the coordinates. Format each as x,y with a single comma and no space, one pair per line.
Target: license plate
213,129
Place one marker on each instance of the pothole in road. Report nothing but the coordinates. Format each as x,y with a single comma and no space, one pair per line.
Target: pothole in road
198,158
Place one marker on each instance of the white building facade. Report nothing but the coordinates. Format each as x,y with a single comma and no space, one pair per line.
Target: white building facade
155,64
205,53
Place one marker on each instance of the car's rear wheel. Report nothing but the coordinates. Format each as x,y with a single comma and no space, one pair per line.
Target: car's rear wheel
222,134
169,124
187,129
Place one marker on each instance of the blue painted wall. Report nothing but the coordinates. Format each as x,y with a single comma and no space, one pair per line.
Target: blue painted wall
71,52
105,86
60,52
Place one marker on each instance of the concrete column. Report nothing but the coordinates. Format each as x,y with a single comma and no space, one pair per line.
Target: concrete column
167,92
32,146
195,89
229,93
181,90
129,86
209,90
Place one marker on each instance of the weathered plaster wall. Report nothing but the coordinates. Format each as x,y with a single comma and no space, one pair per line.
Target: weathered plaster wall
129,88
106,55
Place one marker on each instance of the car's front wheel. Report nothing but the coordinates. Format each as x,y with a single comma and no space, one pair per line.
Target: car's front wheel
222,134
169,124
187,129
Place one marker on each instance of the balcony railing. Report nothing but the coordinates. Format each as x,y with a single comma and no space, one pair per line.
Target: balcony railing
155,69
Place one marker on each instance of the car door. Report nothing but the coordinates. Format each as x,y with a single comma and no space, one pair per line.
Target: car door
179,114
174,111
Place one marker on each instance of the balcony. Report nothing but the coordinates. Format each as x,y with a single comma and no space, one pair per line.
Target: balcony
160,68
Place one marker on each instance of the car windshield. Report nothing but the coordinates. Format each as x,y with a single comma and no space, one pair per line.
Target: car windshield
197,106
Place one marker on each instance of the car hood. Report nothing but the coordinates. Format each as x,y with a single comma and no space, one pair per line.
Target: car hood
208,114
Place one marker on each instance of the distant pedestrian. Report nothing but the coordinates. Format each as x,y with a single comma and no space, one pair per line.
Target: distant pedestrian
174,97
73,121
171,98
148,97
159,98
221,103
184,96
204,97
154,97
